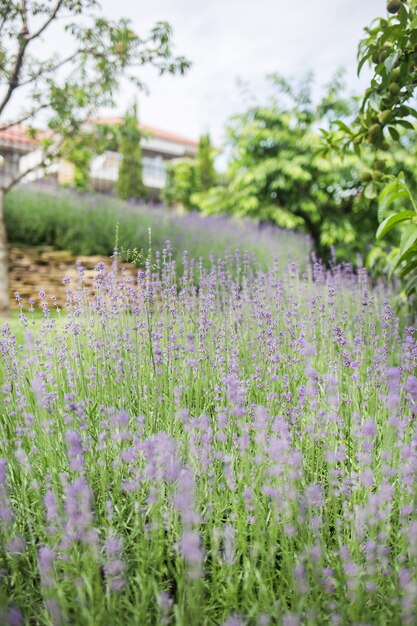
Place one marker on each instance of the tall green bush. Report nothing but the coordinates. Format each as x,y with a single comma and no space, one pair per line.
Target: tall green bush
181,183
187,177
276,173
206,174
130,181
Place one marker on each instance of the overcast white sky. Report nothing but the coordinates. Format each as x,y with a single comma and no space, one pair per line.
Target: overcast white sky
246,39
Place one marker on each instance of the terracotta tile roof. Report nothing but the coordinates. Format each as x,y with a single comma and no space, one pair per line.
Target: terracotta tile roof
109,121
156,132
163,134
17,134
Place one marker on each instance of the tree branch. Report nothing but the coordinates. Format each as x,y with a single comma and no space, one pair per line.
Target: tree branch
45,25
14,81
24,14
26,116
24,38
51,155
48,70
2,24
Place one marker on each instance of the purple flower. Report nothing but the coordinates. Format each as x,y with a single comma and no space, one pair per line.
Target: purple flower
6,515
308,349
46,560
114,565
184,498
229,544
394,387
54,611
51,507
17,545
234,620
79,512
113,571
314,495
15,616
411,389
165,606
75,450
368,428
190,549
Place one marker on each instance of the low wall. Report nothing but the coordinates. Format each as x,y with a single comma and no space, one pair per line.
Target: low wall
32,270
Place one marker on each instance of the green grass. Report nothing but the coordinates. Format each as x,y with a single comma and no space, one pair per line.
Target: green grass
33,320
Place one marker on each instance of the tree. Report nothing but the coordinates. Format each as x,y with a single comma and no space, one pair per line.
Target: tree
181,183
80,149
206,173
186,178
276,173
130,182
64,91
384,123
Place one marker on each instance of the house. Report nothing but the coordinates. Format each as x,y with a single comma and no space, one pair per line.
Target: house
158,147
15,142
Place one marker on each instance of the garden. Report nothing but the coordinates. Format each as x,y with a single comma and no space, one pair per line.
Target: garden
243,452
219,427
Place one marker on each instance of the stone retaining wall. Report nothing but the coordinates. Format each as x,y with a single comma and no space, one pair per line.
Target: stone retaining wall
32,270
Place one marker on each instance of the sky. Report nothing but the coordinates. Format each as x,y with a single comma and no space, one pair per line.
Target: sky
231,40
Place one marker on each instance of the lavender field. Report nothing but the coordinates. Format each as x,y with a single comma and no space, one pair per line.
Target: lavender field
239,453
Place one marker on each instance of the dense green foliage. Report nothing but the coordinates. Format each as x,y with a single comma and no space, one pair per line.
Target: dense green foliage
276,173
181,183
186,177
205,163
86,224
130,182
386,121
79,150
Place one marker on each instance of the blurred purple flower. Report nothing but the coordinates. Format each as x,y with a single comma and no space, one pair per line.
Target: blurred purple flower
15,616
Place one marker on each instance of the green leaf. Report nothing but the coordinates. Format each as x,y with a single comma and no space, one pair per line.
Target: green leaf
362,62
374,256
398,259
394,133
394,190
393,259
370,191
408,239
391,221
405,124
408,256
343,126
412,265
411,286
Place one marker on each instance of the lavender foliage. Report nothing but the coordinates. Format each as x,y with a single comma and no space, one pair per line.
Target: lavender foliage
233,446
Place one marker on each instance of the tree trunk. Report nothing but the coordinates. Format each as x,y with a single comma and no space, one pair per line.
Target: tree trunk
4,263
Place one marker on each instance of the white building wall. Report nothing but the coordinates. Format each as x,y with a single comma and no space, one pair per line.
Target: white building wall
34,160
105,168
